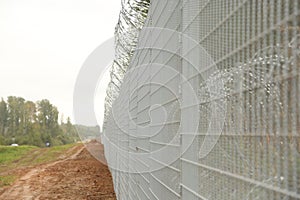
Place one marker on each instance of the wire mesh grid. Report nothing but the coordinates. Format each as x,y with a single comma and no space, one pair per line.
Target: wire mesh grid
255,48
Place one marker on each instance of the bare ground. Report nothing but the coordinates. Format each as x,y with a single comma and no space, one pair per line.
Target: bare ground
79,176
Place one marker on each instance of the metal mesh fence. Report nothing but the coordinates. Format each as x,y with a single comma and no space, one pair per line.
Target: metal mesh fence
209,105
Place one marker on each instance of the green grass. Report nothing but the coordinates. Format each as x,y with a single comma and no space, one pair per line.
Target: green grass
9,154
12,158
7,180
52,153
24,154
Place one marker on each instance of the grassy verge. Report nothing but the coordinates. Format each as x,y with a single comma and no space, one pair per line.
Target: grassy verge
14,158
52,154
9,154
7,180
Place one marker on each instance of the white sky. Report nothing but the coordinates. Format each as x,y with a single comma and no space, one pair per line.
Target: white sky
43,44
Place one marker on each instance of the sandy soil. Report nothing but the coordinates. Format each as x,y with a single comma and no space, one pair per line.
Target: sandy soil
79,176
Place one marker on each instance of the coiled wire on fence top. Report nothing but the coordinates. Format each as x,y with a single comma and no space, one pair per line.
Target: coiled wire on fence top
131,20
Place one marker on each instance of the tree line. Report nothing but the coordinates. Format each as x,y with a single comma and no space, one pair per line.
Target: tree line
33,123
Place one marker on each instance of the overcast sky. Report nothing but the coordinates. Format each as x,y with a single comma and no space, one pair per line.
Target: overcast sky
43,44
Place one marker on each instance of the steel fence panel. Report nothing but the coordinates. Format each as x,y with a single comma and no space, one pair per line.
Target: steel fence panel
253,49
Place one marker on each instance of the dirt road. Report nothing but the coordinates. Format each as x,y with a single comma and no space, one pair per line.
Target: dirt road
80,176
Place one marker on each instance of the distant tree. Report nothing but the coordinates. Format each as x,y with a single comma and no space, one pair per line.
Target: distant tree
15,109
3,116
47,115
62,119
69,126
29,116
